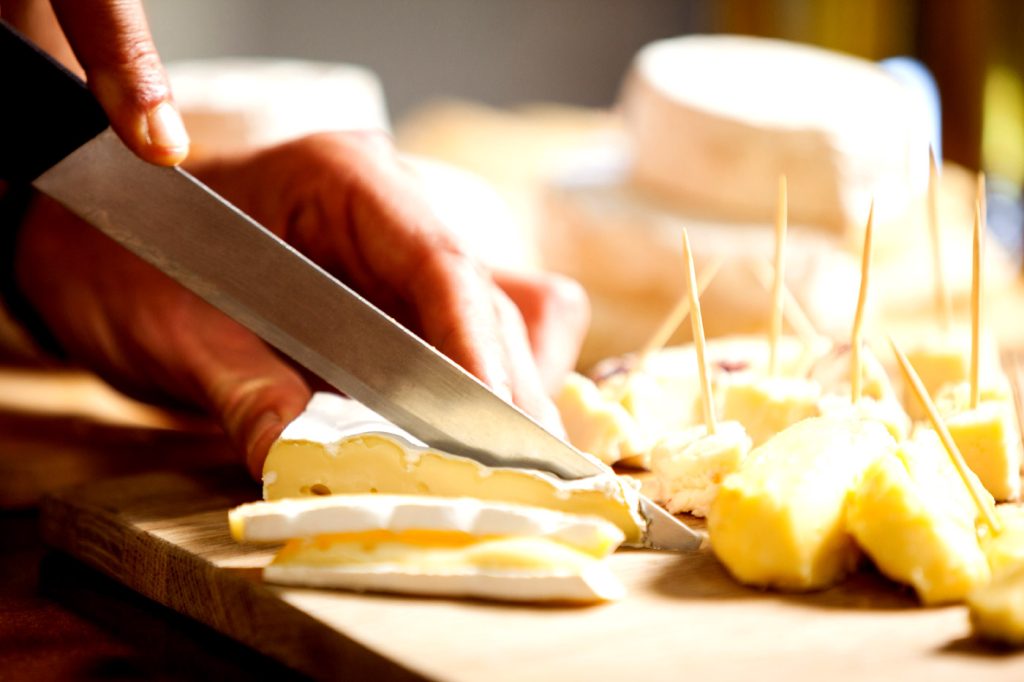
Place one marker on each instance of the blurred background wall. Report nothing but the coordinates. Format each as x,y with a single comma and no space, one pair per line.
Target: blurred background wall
502,52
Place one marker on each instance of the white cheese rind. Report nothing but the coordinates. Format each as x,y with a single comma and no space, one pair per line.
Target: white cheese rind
716,119
293,518
594,583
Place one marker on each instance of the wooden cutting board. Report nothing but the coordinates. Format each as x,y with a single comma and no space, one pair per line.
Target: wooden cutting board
166,536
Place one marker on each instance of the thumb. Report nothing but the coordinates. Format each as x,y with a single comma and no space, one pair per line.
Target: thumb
111,40
254,393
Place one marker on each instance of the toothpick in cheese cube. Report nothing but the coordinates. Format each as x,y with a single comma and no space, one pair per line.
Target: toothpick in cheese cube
780,520
912,515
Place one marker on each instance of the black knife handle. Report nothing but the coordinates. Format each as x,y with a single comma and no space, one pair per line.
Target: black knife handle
46,112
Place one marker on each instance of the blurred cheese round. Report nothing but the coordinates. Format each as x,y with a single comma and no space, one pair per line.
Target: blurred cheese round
714,120
237,104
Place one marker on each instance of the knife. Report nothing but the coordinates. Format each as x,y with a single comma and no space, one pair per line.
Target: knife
56,136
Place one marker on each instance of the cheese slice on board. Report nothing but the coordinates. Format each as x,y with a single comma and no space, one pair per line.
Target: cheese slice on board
339,446
911,517
417,514
412,544
779,521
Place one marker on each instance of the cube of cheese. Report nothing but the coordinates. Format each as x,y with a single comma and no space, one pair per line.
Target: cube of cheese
1005,550
902,517
689,466
595,423
997,609
990,442
946,359
779,521
767,405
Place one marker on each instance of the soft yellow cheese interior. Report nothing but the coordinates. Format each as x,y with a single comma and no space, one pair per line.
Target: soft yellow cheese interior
989,440
913,532
767,405
997,609
779,521
435,552
376,463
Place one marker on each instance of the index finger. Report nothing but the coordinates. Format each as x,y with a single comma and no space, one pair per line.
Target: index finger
112,41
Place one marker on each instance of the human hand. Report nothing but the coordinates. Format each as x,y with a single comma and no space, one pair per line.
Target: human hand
111,40
348,202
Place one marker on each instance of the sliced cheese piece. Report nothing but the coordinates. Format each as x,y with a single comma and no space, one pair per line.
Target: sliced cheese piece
901,517
780,520
416,514
767,405
516,569
990,442
1005,551
594,422
340,446
690,466
997,609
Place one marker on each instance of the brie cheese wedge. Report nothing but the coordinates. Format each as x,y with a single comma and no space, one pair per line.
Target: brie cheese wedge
340,446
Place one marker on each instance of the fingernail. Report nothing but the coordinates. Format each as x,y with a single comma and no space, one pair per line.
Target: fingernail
166,130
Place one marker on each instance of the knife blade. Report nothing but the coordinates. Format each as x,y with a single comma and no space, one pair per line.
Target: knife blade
209,246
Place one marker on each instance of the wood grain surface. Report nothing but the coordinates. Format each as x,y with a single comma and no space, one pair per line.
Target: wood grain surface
165,535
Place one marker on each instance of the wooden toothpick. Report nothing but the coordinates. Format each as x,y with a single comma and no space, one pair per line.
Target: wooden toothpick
707,399
678,314
775,331
793,312
856,381
984,506
976,309
943,303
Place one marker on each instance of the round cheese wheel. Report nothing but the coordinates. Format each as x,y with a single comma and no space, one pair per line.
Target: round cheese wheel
714,121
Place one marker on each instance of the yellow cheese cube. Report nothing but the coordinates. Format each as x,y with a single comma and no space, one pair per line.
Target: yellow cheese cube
767,405
593,422
901,517
989,440
779,521
1005,551
689,466
997,609
946,359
